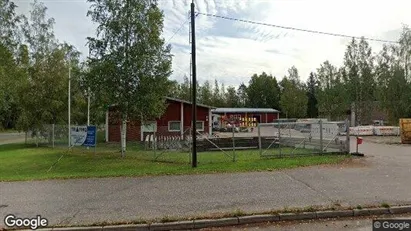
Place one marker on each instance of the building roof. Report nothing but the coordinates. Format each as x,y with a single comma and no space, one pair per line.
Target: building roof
178,100
188,102
245,110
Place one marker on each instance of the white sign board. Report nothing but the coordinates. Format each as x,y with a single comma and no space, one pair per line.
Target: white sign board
78,135
329,130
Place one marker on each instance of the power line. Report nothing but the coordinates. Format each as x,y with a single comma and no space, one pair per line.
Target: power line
179,29
296,29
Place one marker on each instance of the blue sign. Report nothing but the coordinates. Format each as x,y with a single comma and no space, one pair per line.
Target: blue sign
91,139
84,136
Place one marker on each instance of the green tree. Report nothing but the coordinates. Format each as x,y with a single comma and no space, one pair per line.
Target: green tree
10,74
185,89
293,99
359,66
394,87
131,58
217,99
312,87
205,93
9,20
242,95
263,91
231,97
43,93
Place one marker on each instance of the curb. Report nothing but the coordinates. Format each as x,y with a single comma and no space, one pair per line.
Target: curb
232,221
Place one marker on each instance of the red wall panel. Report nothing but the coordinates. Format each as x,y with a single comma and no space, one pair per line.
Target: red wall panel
172,113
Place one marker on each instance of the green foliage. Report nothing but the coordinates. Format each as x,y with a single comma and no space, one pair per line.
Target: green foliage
331,95
294,99
206,94
312,88
9,35
130,61
263,91
232,98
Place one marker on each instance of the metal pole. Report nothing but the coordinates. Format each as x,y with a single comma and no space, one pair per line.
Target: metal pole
279,137
69,107
321,136
53,134
88,113
233,146
347,125
88,107
259,140
194,72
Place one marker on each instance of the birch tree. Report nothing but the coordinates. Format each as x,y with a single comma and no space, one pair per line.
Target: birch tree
131,62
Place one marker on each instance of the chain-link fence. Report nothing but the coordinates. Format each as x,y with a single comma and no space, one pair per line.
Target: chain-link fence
302,138
279,139
56,135
174,146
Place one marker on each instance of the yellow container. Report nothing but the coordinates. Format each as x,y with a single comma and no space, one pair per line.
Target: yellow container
405,128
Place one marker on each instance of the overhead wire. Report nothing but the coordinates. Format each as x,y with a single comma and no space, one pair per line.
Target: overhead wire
179,29
297,29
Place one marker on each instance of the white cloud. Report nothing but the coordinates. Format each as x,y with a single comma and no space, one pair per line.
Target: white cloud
232,51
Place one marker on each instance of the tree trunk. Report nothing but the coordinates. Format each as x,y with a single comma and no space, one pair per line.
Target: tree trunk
123,130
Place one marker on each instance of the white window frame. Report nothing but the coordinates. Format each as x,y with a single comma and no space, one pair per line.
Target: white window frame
174,130
199,121
148,123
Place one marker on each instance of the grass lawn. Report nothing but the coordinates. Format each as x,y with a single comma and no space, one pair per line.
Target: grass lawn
27,162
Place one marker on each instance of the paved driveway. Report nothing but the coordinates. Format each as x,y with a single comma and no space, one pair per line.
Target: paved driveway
384,176
7,138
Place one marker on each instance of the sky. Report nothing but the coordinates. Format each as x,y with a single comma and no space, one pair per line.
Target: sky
232,51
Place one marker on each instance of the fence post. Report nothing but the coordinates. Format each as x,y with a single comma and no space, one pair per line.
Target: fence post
348,143
190,145
95,141
52,135
279,137
259,140
233,145
155,145
321,136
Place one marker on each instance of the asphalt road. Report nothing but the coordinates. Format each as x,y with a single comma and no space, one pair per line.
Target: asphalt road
383,176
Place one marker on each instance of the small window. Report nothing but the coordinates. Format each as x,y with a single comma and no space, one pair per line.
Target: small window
199,125
174,126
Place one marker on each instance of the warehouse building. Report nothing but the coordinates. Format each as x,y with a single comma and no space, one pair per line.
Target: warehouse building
244,117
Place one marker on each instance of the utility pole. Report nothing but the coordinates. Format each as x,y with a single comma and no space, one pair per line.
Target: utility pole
88,108
69,106
194,100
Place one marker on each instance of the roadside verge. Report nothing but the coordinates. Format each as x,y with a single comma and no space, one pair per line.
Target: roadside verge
247,219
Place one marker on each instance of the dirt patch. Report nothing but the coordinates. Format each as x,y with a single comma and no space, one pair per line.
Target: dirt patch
353,162
393,140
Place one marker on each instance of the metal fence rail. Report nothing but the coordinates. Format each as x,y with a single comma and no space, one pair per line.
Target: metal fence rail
303,138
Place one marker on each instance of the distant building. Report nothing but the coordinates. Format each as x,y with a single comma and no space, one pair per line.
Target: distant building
244,117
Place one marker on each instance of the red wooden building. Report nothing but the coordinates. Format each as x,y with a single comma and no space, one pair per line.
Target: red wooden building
175,121
247,117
